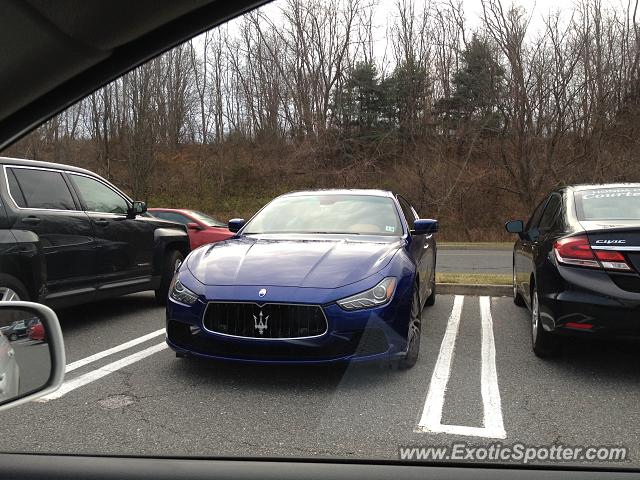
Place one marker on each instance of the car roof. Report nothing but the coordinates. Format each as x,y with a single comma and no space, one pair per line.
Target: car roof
37,163
340,191
598,186
185,211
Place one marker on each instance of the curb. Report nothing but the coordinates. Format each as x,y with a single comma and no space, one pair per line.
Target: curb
474,289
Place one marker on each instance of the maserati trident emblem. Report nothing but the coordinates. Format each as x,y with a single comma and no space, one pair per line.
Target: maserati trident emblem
262,292
260,322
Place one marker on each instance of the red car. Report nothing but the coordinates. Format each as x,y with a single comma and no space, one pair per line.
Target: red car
202,228
36,332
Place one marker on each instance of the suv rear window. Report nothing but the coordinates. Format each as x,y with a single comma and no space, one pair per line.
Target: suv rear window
622,203
32,188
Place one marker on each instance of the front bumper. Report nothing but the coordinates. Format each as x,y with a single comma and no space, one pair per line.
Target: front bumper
363,335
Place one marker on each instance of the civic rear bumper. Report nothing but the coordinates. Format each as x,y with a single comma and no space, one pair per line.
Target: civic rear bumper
578,311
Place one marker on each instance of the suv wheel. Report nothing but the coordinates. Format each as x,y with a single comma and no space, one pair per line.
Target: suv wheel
11,290
172,261
545,344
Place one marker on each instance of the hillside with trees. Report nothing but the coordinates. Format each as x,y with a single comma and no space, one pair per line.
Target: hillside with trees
474,125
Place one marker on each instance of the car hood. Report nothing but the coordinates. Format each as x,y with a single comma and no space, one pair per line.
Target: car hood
291,262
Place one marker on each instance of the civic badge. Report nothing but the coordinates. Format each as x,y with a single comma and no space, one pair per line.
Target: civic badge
262,292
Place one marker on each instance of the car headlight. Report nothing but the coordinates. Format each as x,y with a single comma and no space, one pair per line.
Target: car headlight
180,293
378,295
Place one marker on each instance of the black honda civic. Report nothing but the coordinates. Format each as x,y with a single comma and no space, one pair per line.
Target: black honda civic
576,264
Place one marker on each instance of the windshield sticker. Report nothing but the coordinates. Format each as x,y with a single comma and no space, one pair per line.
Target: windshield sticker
387,228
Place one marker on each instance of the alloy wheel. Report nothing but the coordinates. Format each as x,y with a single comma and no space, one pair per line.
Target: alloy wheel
8,295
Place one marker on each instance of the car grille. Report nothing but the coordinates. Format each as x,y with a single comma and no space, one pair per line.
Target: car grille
272,320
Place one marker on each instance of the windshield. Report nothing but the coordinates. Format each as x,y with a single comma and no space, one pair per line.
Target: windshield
365,300
328,214
206,219
621,203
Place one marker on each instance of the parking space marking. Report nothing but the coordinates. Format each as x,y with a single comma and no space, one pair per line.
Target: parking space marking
118,348
492,409
69,385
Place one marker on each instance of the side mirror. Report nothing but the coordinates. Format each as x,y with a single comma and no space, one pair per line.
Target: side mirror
194,226
235,224
425,226
514,226
32,360
138,208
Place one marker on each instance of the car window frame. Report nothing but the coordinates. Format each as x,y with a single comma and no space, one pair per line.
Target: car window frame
74,197
401,199
83,203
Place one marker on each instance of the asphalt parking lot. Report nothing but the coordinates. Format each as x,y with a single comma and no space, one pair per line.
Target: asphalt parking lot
125,393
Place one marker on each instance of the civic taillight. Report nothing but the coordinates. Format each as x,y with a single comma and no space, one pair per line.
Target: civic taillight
577,251
611,260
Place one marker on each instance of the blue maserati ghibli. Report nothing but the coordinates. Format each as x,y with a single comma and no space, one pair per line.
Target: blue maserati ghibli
314,277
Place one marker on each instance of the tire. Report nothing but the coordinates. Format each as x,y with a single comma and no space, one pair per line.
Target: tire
544,344
171,262
518,299
415,327
431,299
11,289
13,337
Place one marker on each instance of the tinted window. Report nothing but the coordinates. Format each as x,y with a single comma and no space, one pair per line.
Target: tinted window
551,211
535,218
357,214
98,197
608,204
15,190
40,189
172,217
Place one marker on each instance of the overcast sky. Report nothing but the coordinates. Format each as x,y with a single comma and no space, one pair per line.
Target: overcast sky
385,10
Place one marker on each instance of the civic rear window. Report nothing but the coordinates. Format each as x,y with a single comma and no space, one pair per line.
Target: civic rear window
621,203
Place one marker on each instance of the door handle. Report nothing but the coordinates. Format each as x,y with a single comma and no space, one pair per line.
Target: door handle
31,220
101,223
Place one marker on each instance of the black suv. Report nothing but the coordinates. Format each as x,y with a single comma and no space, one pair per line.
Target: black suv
68,236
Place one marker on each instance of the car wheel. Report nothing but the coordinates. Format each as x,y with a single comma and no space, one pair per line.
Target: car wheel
545,344
413,340
431,299
517,297
172,261
13,337
11,290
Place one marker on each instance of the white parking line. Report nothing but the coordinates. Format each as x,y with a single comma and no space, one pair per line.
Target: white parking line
105,353
432,413
94,375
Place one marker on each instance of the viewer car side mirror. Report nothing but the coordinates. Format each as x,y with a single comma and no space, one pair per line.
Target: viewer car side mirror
32,361
194,226
138,208
514,226
235,224
425,226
